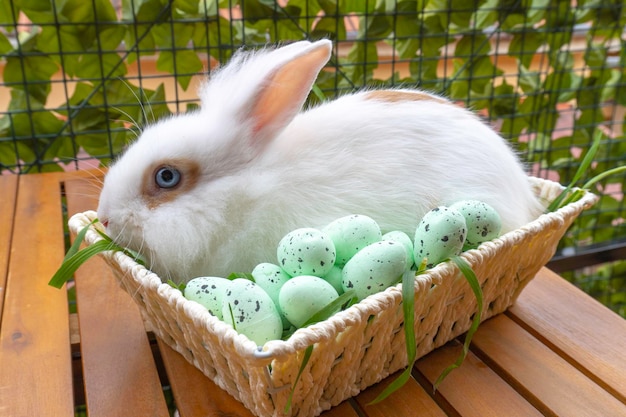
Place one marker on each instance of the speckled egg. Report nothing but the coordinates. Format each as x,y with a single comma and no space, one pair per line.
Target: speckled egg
253,311
352,233
334,278
483,221
401,237
439,235
374,268
271,278
207,291
303,296
306,251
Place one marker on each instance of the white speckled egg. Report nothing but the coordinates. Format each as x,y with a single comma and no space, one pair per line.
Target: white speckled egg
351,234
303,296
439,235
271,278
483,221
306,251
207,291
253,311
334,278
374,268
401,237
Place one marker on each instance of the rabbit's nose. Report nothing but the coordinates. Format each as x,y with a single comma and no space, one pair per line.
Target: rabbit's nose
105,222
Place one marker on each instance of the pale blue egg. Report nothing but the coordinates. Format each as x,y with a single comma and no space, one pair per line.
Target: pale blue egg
271,278
251,311
306,251
374,268
483,221
352,233
401,237
207,291
303,296
439,235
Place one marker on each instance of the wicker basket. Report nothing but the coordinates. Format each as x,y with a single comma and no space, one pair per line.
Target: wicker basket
356,347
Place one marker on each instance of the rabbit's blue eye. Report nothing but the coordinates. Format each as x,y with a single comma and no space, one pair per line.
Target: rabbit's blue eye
167,177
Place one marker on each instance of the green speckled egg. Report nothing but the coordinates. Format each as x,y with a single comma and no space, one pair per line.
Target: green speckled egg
483,221
351,234
253,311
208,291
271,278
306,251
374,268
303,296
401,237
439,235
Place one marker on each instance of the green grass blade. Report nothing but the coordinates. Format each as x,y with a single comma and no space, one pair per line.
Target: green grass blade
408,310
244,275
603,175
114,246
582,168
305,361
344,300
318,93
80,237
348,297
180,287
232,316
467,271
73,262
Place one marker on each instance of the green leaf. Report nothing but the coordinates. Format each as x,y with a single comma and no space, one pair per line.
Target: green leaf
469,275
529,81
180,287
78,240
329,27
103,66
305,361
71,264
561,199
472,45
524,46
8,13
487,14
186,6
408,311
31,73
5,45
504,100
144,10
80,11
346,299
244,275
182,63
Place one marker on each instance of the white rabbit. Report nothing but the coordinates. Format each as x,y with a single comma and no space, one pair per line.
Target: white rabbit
212,191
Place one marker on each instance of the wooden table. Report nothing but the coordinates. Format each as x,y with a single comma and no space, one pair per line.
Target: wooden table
557,352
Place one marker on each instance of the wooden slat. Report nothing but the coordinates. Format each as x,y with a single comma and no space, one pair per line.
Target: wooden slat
473,389
8,193
119,371
547,380
197,395
583,330
410,400
34,339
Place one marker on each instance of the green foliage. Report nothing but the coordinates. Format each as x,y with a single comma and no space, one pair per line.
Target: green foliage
568,59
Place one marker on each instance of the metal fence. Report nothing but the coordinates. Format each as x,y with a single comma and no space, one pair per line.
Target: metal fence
80,77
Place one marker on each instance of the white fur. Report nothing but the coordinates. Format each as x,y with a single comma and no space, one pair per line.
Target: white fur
391,161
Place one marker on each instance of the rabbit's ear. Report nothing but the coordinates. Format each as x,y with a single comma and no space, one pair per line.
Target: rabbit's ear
282,93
